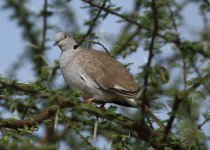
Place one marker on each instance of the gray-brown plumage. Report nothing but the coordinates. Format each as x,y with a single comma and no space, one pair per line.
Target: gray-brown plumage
95,73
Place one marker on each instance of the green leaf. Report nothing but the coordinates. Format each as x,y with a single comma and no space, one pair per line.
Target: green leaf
162,73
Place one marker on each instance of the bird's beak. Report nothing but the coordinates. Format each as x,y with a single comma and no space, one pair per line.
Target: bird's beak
56,43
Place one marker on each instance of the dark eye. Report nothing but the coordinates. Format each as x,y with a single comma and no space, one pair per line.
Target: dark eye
65,36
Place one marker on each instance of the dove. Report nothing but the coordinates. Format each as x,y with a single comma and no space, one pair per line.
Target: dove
99,76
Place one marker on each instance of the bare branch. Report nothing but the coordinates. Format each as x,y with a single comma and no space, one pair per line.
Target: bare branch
203,123
44,26
93,22
151,48
177,101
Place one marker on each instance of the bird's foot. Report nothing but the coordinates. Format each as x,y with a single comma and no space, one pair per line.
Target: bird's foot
89,100
102,106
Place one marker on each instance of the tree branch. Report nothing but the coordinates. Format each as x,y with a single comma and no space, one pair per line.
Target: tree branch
151,48
145,133
177,101
93,22
44,26
38,119
203,123
175,41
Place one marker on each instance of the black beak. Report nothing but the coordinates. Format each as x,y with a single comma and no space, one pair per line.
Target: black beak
56,43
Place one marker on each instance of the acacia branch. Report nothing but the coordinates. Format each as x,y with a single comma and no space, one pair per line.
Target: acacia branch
177,101
44,26
176,41
125,44
94,42
22,14
203,123
38,119
126,28
129,19
93,22
168,127
151,48
146,133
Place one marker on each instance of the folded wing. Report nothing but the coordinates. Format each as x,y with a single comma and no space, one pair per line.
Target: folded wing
108,73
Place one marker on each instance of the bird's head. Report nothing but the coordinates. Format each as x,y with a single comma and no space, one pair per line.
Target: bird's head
64,41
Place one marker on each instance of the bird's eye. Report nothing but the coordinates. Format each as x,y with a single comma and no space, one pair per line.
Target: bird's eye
65,36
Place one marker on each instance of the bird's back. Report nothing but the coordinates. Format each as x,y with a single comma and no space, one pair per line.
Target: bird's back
107,71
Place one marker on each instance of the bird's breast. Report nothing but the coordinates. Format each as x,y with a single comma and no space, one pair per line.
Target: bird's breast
73,75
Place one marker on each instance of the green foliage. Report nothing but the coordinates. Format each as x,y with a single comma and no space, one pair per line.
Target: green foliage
175,72
161,74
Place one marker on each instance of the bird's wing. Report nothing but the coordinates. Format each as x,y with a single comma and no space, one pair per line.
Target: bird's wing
107,72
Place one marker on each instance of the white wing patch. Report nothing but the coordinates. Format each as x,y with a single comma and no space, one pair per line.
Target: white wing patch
120,87
132,102
88,80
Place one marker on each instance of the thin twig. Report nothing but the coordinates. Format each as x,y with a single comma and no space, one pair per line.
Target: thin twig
168,127
94,42
177,102
83,137
203,123
123,46
176,41
44,25
93,22
199,75
172,17
151,48
53,70
127,27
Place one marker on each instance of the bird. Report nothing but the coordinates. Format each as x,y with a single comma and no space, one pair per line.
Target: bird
99,76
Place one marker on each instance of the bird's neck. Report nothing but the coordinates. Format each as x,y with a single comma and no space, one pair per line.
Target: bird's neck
67,56
70,45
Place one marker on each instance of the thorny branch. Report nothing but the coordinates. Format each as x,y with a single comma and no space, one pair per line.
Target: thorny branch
176,41
177,101
22,14
123,46
151,48
93,22
94,42
126,28
145,132
44,26
203,123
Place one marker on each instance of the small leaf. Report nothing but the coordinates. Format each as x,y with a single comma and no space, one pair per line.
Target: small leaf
163,73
